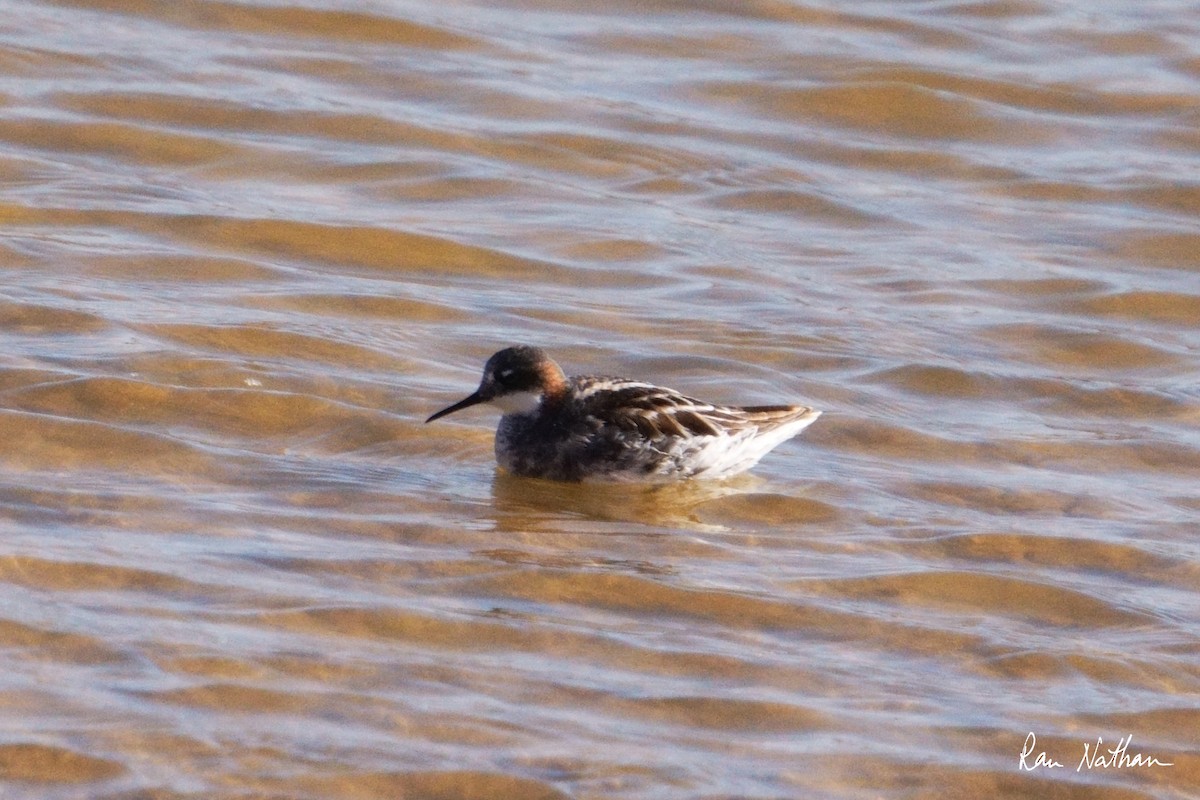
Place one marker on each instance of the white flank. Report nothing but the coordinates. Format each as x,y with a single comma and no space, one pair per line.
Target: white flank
728,455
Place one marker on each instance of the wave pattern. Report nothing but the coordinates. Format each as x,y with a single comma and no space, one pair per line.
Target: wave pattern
248,246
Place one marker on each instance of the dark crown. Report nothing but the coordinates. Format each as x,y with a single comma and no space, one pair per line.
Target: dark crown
516,369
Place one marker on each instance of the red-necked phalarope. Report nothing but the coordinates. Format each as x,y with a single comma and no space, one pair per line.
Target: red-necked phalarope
613,429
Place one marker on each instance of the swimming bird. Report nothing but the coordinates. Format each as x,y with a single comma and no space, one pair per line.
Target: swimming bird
614,429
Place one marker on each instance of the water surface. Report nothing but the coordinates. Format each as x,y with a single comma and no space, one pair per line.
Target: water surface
247,247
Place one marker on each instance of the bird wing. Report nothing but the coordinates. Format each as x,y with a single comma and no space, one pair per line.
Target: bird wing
657,412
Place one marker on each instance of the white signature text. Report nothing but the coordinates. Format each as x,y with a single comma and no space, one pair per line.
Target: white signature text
1094,757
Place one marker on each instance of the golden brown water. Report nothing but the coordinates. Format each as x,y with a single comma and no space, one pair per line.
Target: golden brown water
249,246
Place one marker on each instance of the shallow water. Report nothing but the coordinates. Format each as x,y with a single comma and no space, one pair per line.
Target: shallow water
248,247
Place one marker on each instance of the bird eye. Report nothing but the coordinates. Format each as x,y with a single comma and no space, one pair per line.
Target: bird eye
504,373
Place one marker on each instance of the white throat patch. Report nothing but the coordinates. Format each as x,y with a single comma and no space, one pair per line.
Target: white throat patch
518,402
